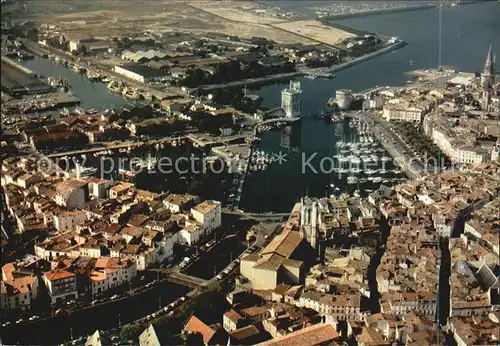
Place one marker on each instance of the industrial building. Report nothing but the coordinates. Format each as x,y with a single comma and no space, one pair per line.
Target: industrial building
140,73
143,56
290,100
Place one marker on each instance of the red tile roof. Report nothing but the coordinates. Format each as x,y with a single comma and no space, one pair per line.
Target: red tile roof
195,325
317,334
58,274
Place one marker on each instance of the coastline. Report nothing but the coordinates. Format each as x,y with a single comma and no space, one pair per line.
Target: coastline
396,10
360,59
377,12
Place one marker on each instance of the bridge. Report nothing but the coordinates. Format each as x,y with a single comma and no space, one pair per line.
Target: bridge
277,121
216,141
187,280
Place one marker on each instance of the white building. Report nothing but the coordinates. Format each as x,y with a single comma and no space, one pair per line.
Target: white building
148,337
17,289
140,73
399,112
290,100
467,155
444,142
208,214
98,188
67,220
472,155
190,234
61,285
26,180
111,272
74,46
177,203
71,194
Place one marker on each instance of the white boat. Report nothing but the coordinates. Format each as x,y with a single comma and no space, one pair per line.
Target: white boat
354,159
343,170
352,180
84,171
377,179
371,171
385,158
148,163
355,170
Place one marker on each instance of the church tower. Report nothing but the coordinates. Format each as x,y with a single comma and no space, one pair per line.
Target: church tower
488,75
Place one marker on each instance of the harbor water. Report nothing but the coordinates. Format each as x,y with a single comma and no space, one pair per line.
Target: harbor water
467,31
91,94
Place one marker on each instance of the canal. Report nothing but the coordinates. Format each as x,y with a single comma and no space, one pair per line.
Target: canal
59,329
91,94
231,244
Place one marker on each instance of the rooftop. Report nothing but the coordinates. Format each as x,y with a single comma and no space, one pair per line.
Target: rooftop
315,335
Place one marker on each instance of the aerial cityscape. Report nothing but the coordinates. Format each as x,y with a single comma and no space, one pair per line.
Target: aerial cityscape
250,172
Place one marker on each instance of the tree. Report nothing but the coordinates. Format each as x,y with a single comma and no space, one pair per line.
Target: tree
193,339
131,331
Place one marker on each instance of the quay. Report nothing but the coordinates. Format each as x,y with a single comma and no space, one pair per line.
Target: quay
249,81
381,11
112,146
16,79
216,141
336,68
152,91
44,102
274,121
412,168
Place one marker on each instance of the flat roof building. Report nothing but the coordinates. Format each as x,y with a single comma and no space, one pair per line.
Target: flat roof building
138,72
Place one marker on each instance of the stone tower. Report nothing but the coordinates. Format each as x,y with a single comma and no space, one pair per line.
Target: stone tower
488,75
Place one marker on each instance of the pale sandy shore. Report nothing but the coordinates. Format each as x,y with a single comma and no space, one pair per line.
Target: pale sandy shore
316,31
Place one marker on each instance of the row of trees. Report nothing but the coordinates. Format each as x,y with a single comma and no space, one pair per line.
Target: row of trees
206,305
421,144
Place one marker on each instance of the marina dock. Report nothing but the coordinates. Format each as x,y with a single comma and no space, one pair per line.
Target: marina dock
384,135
